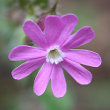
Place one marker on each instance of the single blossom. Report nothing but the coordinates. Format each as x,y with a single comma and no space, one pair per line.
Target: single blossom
55,53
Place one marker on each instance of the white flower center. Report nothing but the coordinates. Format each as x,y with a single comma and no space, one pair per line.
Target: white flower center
54,55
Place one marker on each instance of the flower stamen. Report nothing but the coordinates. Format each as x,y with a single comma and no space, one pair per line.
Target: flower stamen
54,55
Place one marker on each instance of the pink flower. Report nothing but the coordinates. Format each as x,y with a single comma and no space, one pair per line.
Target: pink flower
55,52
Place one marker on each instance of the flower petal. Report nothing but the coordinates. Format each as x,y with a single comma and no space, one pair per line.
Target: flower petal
69,23
79,73
24,52
33,31
42,79
58,82
81,37
85,57
26,69
53,27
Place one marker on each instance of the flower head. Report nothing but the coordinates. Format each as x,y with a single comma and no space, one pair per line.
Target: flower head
55,53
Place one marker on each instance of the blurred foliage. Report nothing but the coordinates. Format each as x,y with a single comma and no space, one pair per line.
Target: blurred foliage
28,5
53,103
24,4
